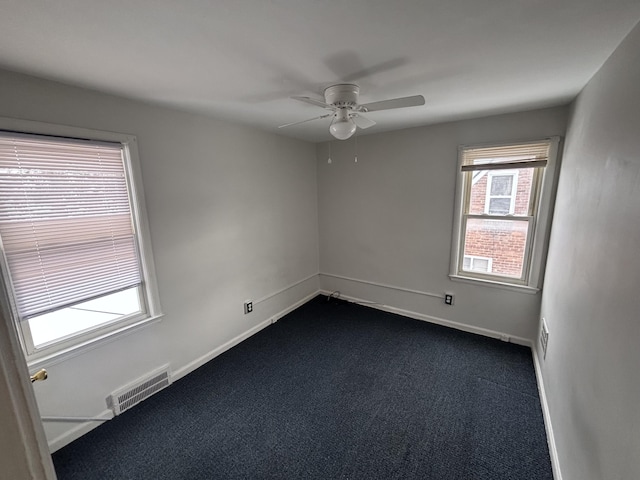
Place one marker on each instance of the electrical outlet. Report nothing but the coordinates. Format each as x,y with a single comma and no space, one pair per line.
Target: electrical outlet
248,307
448,298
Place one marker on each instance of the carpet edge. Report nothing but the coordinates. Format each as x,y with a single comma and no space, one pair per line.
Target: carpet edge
437,320
198,362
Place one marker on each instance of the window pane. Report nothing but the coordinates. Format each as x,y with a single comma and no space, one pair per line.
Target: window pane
476,264
499,206
503,241
481,265
478,194
523,191
501,185
69,321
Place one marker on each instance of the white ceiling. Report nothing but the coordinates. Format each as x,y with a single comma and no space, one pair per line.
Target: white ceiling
241,59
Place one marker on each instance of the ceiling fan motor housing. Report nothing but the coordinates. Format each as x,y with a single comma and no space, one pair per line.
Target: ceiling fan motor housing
342,95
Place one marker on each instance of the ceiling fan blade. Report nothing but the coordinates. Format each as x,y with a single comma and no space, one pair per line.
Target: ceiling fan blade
374,69
315,102
403,102
362,122
305,121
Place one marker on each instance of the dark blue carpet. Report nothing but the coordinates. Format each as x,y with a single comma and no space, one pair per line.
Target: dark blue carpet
333,391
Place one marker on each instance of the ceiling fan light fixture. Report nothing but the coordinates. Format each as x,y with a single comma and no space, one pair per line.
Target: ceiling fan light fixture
342,100
342,126
342,129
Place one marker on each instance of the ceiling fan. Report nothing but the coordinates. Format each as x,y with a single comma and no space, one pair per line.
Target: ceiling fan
342,100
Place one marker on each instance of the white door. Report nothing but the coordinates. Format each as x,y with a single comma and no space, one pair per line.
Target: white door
24,453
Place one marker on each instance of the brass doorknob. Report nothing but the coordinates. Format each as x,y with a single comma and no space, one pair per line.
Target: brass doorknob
39,375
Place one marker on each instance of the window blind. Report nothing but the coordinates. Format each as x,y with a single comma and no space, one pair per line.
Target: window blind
507,156
65,221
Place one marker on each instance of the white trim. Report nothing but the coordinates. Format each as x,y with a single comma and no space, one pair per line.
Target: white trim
284,289
505,144
539,229
384,285
44,128
553,453
75,419
82,347
493,284
198,362
538,249
75,433
551,441
141,221
64,349
457,235
438,321
69,436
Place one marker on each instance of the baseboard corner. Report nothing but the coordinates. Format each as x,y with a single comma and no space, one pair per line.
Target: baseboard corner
198,362
437,320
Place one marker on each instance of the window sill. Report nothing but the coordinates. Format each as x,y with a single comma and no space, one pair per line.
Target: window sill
48,359
493,284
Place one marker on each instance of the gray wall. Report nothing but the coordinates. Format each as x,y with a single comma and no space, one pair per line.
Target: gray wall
388,219
232,213
591,299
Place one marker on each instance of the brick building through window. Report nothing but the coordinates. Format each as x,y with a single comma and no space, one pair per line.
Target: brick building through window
504,193
498,192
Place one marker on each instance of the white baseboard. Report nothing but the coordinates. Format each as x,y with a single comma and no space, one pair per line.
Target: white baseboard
85,427
76,432
439,321
190,367
198,362
553,452
82,429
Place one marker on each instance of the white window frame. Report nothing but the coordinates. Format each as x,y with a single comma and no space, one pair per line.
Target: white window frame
514,189
78,343
539,223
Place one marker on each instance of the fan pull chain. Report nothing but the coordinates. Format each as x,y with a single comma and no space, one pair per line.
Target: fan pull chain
356,157
329,159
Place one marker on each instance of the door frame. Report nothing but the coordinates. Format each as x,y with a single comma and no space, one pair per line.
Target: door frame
30,454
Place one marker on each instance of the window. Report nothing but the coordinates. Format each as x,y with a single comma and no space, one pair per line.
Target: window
75,257
472,263
501,192
502,210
